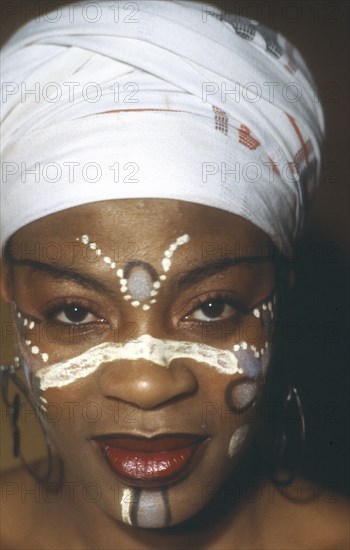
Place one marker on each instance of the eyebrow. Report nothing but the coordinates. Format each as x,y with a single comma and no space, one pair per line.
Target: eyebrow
212,268
183,280
68,273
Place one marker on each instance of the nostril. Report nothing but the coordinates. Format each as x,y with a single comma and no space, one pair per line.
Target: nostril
147,385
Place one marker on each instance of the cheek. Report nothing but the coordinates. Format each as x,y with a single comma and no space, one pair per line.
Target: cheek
241,394
237,440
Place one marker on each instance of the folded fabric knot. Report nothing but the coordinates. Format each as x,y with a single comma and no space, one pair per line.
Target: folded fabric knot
157,99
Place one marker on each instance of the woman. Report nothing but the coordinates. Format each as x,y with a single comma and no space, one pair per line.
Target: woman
153,186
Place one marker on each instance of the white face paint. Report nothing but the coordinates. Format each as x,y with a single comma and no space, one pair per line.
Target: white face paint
237,440
147,508
27,324
138,286
159,352
126,503
241,359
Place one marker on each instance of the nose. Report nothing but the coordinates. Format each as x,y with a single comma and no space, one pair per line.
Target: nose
145,384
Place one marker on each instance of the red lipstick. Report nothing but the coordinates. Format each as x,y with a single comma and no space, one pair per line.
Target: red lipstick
151,460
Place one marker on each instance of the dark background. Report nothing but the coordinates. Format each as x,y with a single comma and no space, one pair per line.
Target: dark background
317,331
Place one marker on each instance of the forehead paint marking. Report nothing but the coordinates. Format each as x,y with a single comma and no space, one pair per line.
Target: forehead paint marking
160,352
139,279
237,439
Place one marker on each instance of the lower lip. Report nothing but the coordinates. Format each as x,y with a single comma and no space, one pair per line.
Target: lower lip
138,466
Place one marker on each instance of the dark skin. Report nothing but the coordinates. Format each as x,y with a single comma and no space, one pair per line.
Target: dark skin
146,397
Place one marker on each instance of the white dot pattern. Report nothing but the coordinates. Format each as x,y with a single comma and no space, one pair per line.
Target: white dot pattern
123,282
33,348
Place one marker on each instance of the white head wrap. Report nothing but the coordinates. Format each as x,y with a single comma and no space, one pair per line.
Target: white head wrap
230,115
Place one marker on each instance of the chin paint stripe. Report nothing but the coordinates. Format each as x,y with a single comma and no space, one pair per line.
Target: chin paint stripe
150,508
126,504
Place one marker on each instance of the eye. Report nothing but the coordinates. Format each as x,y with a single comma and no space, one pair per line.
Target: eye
213,309
75,314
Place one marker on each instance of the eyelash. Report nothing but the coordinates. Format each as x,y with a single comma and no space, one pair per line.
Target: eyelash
50,313
217,297
53,311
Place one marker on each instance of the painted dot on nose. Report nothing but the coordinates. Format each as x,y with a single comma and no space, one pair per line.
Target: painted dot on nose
140,284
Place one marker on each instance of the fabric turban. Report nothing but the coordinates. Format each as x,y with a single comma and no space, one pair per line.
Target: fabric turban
157,99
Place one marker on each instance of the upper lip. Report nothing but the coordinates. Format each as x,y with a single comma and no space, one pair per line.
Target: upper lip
160,442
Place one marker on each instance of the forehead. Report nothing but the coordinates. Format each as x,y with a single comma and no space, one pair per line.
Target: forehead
148,223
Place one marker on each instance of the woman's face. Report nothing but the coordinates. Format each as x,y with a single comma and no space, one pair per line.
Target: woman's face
145,328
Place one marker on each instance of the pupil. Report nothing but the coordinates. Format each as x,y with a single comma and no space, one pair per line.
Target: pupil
75,314
213,309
